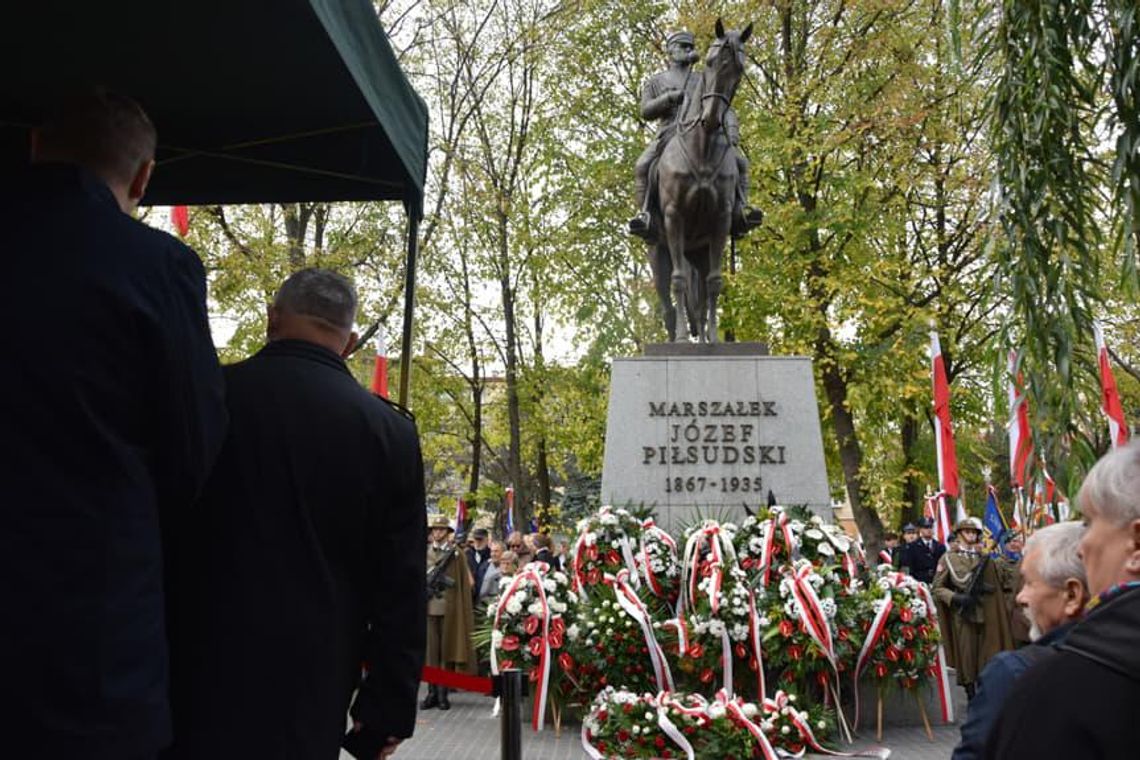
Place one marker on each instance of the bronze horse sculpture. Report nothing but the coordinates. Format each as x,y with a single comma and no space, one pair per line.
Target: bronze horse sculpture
696,185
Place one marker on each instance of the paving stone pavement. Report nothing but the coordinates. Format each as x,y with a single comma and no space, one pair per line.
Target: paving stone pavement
468,732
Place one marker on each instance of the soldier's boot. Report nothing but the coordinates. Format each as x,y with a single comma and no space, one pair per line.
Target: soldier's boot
745,218
444,703
640,224
432,698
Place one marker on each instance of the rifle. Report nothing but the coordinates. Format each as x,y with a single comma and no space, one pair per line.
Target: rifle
976,587
437,582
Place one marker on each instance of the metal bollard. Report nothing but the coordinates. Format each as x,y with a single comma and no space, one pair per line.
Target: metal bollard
510,716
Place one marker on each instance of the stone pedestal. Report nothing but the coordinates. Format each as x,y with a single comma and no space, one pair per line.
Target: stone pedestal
706,430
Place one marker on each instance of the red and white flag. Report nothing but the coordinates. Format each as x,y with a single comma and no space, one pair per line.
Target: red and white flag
944,434
461,517
1109,395
380,368
1020,439
180,218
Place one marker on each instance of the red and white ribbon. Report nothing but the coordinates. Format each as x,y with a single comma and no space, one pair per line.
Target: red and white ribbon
578,582
874,633
664,702
754,635
532,573
942,678
780,701
650,531
811,612
735,708
778,521
633,606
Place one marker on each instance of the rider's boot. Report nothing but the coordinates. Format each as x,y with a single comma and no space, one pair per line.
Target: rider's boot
641,223
745,218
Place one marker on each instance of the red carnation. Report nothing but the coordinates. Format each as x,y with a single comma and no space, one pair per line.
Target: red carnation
795,652
843,635
566,662
555,640
592,552
622,735
535,646
557,626
532,674
892,653
907,632
506,664
602,715
908,656
613,558
510,643
696,651
741,652
906,615
786,628
660,742
880,670
594,576
707,675
531,625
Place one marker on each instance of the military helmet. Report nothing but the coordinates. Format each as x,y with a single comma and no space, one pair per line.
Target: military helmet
969,523
680,36
440,520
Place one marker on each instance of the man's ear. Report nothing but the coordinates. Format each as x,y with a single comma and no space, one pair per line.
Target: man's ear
1132,564
137,189
1076,596
353,340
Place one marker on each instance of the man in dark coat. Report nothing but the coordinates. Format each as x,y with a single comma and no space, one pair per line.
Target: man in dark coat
478,559
112,416
1082,701
309,557
921,557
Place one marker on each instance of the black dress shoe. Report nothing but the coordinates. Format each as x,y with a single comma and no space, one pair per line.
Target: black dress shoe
444,703
431,700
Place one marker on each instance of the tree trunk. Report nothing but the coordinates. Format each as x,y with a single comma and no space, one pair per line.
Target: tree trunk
912,489
514,455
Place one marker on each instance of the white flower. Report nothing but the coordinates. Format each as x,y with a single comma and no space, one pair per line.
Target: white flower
635,730
813,533
572,632
549,585
716,627
514,606
825,550
750,710
828,607
496,638
716,711
649,716
785,730
535,608
821,725
816,520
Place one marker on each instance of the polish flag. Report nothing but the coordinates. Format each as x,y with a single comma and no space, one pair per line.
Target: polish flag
380,368
180,218
1020,439
461,517
944,432
510,509
1109,395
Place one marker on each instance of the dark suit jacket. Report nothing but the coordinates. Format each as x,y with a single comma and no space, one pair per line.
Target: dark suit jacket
112,415
308,560
921,561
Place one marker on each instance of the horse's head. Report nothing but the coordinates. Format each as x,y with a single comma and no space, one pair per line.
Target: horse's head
724,66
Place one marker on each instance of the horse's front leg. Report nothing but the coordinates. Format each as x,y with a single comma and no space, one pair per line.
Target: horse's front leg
675,237
662,280
714,282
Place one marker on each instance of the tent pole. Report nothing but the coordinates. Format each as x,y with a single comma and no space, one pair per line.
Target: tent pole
409,308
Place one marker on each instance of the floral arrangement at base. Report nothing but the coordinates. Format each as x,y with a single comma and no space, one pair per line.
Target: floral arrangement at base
606,543
611,650
532,624
902,646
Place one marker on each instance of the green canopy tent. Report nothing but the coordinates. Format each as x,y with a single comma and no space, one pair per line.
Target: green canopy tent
255,101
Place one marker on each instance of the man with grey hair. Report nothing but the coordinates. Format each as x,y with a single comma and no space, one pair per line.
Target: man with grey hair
308,558
1054,594
1082,701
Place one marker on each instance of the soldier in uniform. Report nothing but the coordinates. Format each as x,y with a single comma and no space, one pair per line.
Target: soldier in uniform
449,612
920,557
973,612
661,99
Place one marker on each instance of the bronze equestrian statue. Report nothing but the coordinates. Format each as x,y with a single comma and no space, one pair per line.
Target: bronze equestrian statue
700,177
